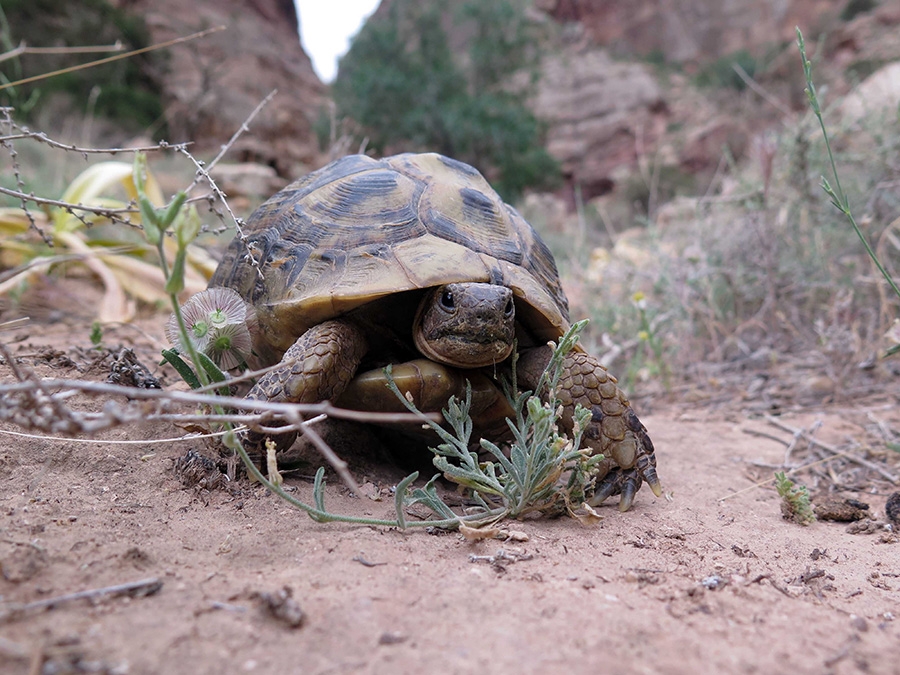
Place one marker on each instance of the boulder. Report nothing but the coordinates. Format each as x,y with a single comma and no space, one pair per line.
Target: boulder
598,112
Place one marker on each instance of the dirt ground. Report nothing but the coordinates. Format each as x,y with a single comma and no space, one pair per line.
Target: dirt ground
712,580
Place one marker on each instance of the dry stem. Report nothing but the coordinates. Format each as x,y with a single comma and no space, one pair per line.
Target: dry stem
800,433
133,589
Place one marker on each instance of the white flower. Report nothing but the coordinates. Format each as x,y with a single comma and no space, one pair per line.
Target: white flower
219,323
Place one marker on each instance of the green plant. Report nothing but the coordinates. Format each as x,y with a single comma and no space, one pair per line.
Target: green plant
795,504
96,334
836,193
528,480
402,83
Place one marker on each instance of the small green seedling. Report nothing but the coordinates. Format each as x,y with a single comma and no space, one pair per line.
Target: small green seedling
795,504
96,334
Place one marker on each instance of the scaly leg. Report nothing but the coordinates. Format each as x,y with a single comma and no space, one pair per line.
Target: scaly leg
614,429
317,367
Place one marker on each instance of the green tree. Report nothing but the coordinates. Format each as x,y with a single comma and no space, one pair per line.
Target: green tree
403,84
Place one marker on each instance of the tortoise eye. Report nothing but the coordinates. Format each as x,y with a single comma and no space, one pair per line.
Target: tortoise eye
508,310
447,299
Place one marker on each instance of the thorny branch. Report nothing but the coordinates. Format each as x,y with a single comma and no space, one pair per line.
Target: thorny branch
76,210
42,137
33,403
7,123
105,212
203,172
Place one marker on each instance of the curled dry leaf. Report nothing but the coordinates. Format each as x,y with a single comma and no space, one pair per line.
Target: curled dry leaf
587,515
478,533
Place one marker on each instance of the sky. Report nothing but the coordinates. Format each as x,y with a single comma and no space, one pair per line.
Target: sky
326,27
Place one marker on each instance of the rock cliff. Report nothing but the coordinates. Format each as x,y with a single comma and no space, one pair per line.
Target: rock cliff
212,84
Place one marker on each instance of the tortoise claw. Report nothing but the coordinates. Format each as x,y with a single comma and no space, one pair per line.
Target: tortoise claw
645,461
623,482
626,482
652,480
630,485
610,485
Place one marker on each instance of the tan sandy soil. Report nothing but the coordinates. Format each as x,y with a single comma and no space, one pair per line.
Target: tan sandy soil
695,584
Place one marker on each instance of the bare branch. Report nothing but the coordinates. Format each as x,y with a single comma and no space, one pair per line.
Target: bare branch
800,433
98,49
107,212
117,57
133,589
61,388
41,137
245,127
25,49
325,450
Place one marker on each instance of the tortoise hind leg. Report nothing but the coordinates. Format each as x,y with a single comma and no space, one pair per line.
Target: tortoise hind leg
317,367
614,429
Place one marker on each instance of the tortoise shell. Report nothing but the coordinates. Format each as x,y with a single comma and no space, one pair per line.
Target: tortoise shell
361,229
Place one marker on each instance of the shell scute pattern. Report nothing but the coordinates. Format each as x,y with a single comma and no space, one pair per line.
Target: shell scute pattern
360,229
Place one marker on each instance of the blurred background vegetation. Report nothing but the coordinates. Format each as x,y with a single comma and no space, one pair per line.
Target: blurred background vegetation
124,91
408,90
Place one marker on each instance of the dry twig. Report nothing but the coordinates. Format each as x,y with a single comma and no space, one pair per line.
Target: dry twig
133,589
32,403
833,450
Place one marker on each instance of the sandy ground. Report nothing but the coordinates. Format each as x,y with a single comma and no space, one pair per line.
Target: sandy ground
704,582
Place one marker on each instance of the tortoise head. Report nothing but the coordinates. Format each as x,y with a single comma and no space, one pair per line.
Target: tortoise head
467,325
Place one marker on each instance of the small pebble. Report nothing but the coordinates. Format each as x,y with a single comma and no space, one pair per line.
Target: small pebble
892,509
859,623
391,638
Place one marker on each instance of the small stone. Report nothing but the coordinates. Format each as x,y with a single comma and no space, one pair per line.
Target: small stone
859,623
282,606
841,510
391,638
818,387
892,509
713,582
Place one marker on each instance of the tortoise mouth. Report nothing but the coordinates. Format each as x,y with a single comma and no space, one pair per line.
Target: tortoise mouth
466,325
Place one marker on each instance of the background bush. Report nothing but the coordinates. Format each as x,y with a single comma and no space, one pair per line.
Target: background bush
408,88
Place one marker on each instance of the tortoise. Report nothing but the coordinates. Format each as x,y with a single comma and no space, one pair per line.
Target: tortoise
415,260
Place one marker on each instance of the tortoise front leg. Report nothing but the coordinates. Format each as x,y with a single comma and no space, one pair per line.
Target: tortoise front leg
614,429
317,367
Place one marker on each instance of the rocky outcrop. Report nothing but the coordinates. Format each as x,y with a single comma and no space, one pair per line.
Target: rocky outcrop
212,84
685,31
599,112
